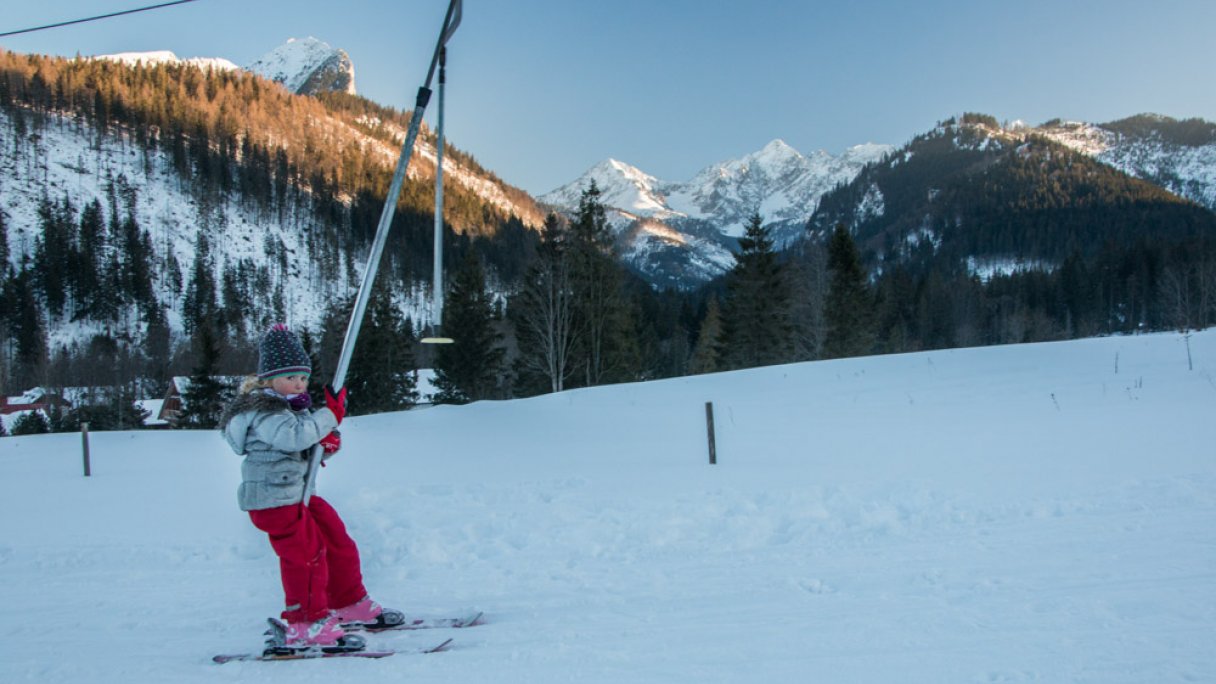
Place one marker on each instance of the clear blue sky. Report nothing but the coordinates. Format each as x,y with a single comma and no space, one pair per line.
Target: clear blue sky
540,90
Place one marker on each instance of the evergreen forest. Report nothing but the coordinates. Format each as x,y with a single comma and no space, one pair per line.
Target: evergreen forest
540,303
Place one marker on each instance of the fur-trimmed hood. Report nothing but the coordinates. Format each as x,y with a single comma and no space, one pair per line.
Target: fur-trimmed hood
257,400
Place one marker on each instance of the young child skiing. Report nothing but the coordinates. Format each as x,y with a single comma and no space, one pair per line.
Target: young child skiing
270,424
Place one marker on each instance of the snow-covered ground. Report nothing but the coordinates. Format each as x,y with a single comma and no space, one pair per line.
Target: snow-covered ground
1024,513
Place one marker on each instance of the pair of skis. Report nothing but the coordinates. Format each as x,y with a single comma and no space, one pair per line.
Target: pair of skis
277,650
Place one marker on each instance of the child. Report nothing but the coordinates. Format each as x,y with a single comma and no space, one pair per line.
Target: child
270,424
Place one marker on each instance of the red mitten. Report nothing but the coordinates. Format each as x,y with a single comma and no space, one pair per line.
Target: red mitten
336,402
331,443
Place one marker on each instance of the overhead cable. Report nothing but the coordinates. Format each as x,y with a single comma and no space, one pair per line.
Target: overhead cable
100,16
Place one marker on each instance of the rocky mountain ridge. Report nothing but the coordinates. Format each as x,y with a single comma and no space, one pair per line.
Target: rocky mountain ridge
307,66
682,234
304,66
1180,156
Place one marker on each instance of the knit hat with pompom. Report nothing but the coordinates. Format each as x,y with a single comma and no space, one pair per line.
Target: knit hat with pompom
282,354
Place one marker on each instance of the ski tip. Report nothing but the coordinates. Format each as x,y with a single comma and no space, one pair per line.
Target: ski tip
441,647
477,619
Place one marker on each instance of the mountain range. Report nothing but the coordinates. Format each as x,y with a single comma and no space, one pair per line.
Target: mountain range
306,66
684,233
996,199
284,195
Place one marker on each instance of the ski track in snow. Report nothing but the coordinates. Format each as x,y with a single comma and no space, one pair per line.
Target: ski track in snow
1008,514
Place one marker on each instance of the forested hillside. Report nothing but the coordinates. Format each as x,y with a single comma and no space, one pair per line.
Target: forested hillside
154,220
1010,236
139,202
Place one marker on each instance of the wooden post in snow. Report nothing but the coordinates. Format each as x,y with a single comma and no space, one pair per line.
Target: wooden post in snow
84,440
709,425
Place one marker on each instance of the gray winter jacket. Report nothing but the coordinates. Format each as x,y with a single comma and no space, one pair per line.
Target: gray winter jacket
275,441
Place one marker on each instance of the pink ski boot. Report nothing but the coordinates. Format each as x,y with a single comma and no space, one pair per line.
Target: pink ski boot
325,634
367,614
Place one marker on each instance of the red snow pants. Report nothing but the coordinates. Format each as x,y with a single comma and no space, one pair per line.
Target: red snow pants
318,559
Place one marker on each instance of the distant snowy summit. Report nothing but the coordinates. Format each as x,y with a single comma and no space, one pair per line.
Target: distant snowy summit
777,181
307,66
683,234
167,57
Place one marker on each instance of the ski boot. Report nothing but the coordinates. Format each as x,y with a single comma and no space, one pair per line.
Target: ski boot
366,614
324,635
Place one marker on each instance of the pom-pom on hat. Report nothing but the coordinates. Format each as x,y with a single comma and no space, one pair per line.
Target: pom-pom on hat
282,354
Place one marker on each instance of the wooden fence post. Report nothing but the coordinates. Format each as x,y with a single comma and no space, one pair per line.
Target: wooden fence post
84,440
709,424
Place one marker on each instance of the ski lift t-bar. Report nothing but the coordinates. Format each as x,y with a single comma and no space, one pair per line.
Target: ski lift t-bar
450,21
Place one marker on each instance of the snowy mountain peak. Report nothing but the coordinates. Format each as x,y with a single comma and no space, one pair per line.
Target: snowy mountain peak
683,233
168,57
622,186
777,150
306,66
867,153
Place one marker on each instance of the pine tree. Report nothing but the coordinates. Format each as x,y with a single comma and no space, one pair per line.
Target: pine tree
89,259
205,397
601,310
236,302
470,368
849,307
136,249
4,251
28,331
544,316
31,423
116,410
757,327
53,254
157,343
705,356
200,304
381,373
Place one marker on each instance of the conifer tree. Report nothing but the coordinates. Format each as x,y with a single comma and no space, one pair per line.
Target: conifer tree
236,302
705,356
157,343
28,331
601,310
204,399
849,307
470,368
89,258
136,250
53,254
31,423
544,315
757,328
808,273
4,251
200,304
381,374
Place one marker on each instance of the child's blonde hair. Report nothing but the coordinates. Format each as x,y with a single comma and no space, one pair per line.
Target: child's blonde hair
253,382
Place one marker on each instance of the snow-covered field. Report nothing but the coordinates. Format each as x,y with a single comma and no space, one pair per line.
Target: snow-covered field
1025,513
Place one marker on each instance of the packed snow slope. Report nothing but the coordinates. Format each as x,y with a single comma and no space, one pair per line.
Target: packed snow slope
1006,514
